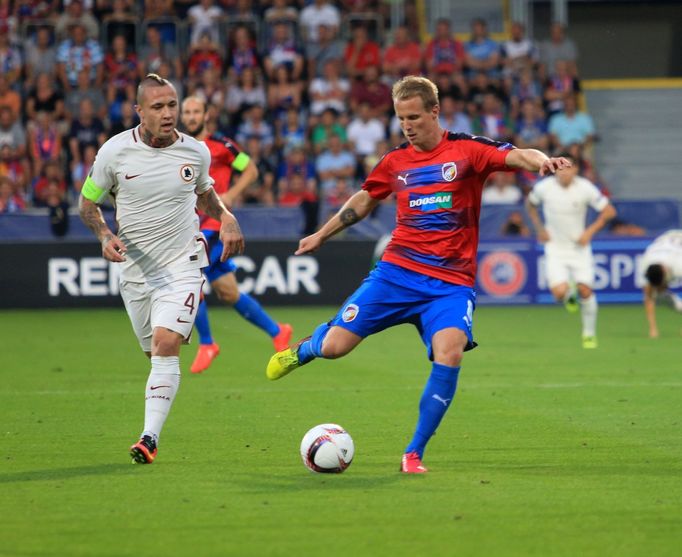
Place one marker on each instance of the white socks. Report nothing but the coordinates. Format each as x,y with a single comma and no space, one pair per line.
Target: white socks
588,310
163,383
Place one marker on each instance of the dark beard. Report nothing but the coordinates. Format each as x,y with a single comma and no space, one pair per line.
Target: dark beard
196,132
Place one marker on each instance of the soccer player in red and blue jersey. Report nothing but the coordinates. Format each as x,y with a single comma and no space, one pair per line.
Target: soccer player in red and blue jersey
426,275
226,155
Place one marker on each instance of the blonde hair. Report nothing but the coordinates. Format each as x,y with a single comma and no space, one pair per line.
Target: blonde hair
151,80
416,86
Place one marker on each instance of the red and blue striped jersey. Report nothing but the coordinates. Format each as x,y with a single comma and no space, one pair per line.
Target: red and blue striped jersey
438,197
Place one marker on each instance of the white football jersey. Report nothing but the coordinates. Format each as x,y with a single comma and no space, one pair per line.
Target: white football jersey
665,250
565,208
155,193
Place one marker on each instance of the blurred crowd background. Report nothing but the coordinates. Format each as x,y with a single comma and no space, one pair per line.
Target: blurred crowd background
303,86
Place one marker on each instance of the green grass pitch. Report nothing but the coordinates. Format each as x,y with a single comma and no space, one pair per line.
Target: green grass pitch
547,450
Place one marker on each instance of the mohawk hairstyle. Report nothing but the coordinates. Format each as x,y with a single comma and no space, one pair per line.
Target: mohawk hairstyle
151,80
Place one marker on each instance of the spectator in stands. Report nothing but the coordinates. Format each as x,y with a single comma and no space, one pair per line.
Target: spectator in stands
122,20
318,54
452,116
11,64
530,130
204,55
341,192
518,53
245,93
493,121
501,188
364,131
210,88
52,173
204,18
452,85
154,9
79,53
86,130
14,168
165,70
281,11
262,190
296,192
76,14
121,70
282,51
10,200
283,92
525,87
241,10
127,120
291,131
480,86
334,163
482,52
328,125
9,98
374,92
243,53
154,51
571,126
329,92
559,84
403,57
297,162
444,54
45,141
12,133
559,47
85,90
79,172
41,56
515,225
44,97
320,12
58,209
361,52
255,126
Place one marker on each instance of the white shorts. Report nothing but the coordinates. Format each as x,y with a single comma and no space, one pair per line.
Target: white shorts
564,267
170,302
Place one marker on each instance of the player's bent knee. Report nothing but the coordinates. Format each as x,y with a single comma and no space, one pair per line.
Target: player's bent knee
166,342
339,342
584,291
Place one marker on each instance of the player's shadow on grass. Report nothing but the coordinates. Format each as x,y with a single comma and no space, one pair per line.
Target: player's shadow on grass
65,473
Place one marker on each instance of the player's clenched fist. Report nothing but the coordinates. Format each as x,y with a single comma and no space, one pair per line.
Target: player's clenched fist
113,249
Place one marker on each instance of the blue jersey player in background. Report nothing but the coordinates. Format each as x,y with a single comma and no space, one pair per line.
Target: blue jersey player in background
427,273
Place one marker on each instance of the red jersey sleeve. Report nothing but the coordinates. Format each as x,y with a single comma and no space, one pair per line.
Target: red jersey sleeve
378,183
487,155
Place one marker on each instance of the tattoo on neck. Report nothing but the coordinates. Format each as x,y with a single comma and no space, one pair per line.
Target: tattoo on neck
157,142
349,217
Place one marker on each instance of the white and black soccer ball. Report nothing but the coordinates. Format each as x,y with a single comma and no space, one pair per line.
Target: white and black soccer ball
327,448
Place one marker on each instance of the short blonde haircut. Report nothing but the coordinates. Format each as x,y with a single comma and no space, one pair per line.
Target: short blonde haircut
416,86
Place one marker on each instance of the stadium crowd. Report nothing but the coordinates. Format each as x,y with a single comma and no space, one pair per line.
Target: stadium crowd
303,86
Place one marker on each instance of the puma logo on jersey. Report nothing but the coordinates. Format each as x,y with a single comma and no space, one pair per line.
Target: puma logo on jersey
445,401
403,178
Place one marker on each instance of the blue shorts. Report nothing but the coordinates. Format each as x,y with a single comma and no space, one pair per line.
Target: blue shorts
216,268
392,295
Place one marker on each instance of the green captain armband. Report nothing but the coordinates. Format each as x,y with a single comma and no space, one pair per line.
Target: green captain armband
91,190
241,162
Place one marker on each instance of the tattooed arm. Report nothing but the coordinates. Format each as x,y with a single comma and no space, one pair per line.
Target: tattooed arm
354,210
91,215
230,234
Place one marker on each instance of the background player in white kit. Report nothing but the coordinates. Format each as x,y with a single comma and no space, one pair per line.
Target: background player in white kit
565,198
157,177
662,264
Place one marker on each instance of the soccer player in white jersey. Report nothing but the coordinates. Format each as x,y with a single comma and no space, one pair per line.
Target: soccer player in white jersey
565,198
662,264
157,177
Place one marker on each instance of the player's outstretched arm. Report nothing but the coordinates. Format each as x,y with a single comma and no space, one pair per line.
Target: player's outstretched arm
355,209
540,230
535,161
113,249
230,233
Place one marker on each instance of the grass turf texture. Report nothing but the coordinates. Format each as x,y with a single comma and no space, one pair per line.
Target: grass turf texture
547,450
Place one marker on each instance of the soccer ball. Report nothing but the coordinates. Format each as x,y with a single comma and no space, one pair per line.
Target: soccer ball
327,448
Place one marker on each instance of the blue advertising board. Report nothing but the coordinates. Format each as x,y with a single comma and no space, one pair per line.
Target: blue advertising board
512,272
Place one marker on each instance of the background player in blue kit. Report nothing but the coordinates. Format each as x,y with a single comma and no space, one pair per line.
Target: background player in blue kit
427,273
